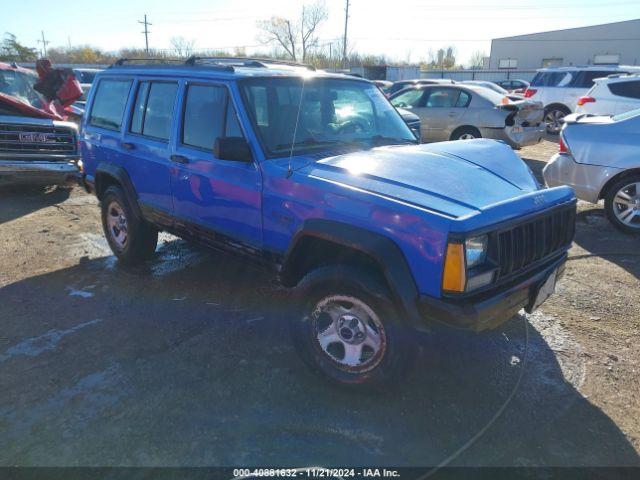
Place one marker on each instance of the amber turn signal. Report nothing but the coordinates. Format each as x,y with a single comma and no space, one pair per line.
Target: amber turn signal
454,277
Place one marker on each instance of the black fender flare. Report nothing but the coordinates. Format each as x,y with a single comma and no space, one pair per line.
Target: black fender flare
382,249
120,175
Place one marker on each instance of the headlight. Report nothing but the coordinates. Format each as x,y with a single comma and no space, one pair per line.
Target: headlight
476,250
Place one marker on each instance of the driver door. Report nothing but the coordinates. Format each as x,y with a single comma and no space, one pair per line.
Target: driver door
223,196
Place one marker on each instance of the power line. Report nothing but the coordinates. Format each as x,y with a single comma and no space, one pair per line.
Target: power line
146,32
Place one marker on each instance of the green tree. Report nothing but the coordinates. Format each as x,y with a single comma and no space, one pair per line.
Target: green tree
13,51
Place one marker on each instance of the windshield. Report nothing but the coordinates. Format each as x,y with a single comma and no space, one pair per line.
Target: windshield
333,112
20,85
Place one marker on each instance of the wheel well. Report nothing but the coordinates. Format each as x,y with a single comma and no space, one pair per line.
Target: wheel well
312,252
464,127
104,181
558,106
605,189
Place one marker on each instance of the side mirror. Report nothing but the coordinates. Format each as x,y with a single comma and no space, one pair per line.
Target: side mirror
232,148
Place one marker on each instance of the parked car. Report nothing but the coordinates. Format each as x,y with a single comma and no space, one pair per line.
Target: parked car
383,84
559,88
317,176
463,112
412,120
36,145
598,157
514,86
612,95
402,84
85,76
493,86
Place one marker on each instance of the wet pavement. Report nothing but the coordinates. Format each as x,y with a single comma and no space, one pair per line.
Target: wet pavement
187,361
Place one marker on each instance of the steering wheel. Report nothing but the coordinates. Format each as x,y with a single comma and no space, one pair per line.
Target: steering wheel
359,125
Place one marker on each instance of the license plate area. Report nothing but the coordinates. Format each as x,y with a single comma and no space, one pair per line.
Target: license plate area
543,292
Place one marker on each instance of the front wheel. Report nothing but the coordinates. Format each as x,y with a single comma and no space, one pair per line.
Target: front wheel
347,329
622,204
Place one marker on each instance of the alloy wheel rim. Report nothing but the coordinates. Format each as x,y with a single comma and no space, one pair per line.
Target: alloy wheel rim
467,136
349,333
117,225
626,205
553,120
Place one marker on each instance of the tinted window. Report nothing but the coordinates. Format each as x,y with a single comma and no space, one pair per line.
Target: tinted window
463,99
204,115
443,98
626,89
585,79
109,103
139,107
158,112
551,79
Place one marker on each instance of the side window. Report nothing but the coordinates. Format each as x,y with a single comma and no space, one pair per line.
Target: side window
159,110
626,89
443,98
232,125
204,114
585,79
139,107
109,103
463,99
410,98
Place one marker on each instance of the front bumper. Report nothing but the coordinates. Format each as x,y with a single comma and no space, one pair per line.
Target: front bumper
491,309
587,180
37,172
516,137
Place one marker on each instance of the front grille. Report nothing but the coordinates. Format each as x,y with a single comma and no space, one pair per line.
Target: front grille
534,240
37,139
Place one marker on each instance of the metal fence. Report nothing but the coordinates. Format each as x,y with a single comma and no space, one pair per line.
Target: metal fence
489,75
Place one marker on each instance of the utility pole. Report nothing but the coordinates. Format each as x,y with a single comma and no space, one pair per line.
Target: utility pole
44,43
344,40
146,32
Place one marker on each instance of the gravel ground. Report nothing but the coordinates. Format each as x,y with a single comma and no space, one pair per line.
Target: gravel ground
186,361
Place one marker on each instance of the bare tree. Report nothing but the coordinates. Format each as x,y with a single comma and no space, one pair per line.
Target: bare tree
476,61
281,32
312,16
182,46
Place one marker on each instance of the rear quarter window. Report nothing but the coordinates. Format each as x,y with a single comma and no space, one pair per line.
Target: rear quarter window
626,89
552,79
109,103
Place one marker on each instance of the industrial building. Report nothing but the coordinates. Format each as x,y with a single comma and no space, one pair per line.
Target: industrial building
617,43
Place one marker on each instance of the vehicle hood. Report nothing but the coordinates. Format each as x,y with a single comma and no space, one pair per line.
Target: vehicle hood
455,179
407,116
587,118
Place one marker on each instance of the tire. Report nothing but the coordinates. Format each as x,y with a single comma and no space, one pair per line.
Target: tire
135,242
622,204
336,305
466,133
553,116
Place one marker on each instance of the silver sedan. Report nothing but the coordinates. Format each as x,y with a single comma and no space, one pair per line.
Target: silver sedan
598,157
461,112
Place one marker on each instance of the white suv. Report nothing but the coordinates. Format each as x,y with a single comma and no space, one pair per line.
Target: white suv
612,95
559,88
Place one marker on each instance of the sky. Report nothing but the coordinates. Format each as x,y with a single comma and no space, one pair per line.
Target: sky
404,31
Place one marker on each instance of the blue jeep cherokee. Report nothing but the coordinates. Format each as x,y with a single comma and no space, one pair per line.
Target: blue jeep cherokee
316,175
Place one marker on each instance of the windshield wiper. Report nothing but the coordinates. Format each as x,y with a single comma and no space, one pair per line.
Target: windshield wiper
382,140
308,142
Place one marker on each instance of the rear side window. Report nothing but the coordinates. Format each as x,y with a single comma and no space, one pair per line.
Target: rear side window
208,114
626,89
443,98
109,103
153,111
551,79
585,79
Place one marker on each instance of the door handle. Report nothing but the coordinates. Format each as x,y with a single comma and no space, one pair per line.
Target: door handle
179,159
128,145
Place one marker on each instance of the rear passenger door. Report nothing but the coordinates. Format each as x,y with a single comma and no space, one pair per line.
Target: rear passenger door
223,196
444,109
145,144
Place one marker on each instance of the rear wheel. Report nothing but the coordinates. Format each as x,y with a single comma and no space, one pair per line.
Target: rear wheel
466,133
553,118
622,204
131,239
346,329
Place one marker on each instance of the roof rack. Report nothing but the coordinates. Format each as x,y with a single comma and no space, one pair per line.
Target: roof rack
245,62
162,62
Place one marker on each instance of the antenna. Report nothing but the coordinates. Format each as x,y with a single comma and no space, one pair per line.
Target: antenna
295,129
